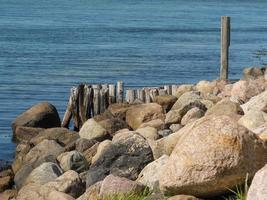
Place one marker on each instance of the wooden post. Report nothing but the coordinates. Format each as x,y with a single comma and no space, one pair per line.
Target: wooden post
163,92
96,109
119,92
147,95
88,101
225,43
141,95
75,108
174,89
168,89
68,113
112,94
130,96
81,106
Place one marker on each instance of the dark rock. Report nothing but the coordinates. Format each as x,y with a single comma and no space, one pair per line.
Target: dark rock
128,154
6,179
42,115
24,133
112,125
83,144
62,136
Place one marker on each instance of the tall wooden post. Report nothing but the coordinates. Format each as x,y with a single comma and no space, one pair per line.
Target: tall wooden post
225,43
119,97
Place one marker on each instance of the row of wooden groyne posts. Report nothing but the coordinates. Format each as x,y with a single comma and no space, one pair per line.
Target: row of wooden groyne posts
87,101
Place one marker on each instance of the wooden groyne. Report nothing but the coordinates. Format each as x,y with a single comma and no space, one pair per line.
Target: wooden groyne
89,100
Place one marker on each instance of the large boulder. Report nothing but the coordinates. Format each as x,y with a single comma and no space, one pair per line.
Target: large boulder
166,101
45,173
93,130
258,187
46,151
226,152
24,133
138,114
42,115
182,89
150,175
114,185
243,90
225,107
62,136
258,102
192,115
73,160
128,154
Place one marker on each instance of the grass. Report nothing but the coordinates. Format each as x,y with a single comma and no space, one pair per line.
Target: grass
240,193
127,197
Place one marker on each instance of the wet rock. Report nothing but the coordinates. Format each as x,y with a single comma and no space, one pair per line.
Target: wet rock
223,147
73,160
141,113
93,130
42,115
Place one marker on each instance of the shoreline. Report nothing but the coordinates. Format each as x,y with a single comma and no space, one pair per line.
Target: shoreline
136,142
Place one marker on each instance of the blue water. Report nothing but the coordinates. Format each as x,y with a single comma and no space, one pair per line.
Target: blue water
47,46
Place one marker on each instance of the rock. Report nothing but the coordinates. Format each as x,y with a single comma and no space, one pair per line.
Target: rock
128,154
83,144
207,103
119,110
6,180
73,160
24,133
166,101
253,119
42,115
175,127
45,173
165,132
185,99
93,130
112,125
258,102
113,185
183,89
150,175
226,152
21,150
148,132
92,192
225,107
141,113
103,116
253,73
62,136
156,123
90,153
205,87
245,89
155,196
183,197
55,195
173,117
68,183
102,147
258,187
192,114
46,151
4,165
8,194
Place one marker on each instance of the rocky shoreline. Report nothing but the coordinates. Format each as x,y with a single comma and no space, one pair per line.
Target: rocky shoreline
195,144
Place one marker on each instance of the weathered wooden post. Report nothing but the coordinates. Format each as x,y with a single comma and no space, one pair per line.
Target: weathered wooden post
225,43
130,96
119,92
112,93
